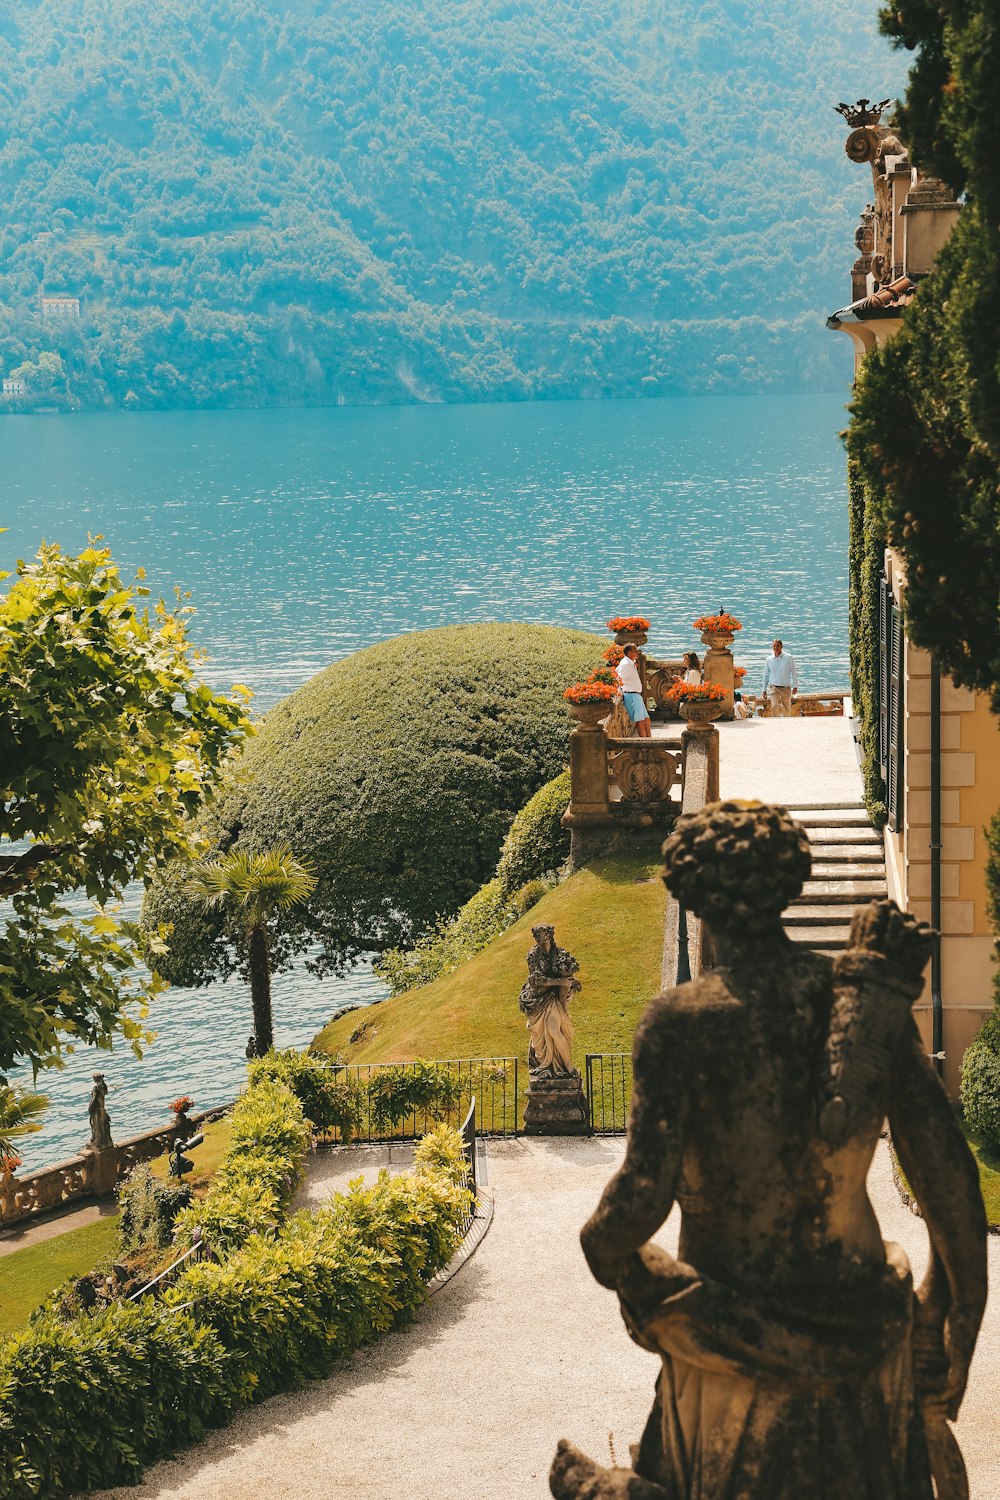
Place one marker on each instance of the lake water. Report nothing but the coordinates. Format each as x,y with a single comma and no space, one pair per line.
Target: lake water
304,535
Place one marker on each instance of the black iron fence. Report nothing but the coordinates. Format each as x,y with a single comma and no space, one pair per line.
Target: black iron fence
609,1091
402,1101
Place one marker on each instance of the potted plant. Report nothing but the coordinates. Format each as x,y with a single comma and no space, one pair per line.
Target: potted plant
630,630
183,1129
590,702
717,631
613,654
698,702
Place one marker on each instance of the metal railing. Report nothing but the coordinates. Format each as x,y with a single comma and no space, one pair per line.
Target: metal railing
492,1082
609,1091
197,1251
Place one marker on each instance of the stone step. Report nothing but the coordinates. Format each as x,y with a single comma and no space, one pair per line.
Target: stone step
812,915
840,873
825,939
825,807
835,820
844,835
835,903
820,812
847,853
842,891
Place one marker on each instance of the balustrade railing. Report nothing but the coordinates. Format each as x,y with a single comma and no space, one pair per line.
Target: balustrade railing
642,771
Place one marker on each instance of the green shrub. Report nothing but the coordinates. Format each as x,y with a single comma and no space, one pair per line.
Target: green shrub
980,1088
417,1088
90,1403
148,1209
258,1176
537,843
329,1100
396,773
441,1150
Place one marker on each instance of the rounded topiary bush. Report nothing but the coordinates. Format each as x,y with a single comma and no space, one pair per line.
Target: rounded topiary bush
537,841
981,1082
395,773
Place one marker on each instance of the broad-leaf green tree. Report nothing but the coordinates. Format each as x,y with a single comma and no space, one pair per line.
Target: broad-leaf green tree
109,743
253,888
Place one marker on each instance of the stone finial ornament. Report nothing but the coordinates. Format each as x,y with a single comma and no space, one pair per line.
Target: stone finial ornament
863,113
796,1357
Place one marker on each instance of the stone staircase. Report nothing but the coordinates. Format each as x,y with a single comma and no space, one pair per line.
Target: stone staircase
848,870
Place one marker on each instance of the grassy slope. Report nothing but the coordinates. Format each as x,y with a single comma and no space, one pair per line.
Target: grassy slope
989,1178
609,915
27,1276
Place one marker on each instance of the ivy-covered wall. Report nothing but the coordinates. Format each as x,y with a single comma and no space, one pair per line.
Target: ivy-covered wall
866,552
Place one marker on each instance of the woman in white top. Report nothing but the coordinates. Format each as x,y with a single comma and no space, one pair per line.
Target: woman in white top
692,668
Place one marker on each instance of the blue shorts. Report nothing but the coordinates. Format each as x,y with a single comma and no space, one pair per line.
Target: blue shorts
635,707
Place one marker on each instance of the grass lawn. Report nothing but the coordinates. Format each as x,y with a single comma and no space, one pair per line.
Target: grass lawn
27,1276
609,915
988,1163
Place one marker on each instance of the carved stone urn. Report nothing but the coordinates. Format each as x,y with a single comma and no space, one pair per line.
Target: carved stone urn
700,715
631,637
589,714
718,640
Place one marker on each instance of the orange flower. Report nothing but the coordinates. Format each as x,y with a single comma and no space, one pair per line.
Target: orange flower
739,673
696,692
724,624
590,692
628,622
10,1164
613,654
181,1104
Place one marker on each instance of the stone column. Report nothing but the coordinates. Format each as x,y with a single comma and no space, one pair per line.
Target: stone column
718,667
588,765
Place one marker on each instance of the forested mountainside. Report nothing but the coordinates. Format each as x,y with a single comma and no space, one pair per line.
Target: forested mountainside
257,202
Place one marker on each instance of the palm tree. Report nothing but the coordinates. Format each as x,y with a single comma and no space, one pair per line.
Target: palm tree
19,1111
254,888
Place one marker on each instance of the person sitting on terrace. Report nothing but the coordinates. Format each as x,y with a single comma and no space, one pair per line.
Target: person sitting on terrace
692,668
635,703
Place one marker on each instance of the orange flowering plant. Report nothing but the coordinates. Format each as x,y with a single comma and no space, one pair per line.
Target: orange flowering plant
628,622
739,673
696,692
724,624
590,692
605,674
9,1163
613,654
181,1105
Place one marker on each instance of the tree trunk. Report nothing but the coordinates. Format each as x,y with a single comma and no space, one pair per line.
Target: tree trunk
260,988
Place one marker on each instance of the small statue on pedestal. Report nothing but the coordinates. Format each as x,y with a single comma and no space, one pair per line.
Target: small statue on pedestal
100,1125
796,1358
556,1103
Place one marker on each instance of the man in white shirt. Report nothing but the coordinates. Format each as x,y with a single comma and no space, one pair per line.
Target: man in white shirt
781,681
635,704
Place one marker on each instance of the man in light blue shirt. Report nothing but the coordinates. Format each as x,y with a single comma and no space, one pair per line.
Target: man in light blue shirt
781,681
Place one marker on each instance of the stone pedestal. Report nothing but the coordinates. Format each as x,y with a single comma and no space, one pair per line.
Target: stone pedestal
556,1105
717,667
100,1172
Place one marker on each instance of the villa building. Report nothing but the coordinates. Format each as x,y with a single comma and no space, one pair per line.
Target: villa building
60,309
938,744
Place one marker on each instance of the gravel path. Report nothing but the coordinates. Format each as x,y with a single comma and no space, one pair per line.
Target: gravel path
520,1348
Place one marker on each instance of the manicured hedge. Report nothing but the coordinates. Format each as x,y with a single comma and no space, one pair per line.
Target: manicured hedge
92,1401
866,554
535,848
396,773
259,1174
981,1082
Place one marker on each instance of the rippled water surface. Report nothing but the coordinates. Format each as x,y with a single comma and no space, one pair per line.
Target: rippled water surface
303,535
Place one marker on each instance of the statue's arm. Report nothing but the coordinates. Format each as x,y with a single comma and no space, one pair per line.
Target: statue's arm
942,1172
639,1197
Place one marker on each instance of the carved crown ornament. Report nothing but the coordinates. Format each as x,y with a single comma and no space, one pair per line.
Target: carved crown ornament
862,113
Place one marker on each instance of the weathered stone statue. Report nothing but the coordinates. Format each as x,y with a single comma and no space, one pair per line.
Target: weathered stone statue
556,1102
100,1125
797,1361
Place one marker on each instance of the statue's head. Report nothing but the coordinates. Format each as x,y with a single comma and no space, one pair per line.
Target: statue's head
544,935
737,865
98,1077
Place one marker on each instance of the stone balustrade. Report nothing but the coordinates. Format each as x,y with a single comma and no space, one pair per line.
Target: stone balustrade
91,1174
